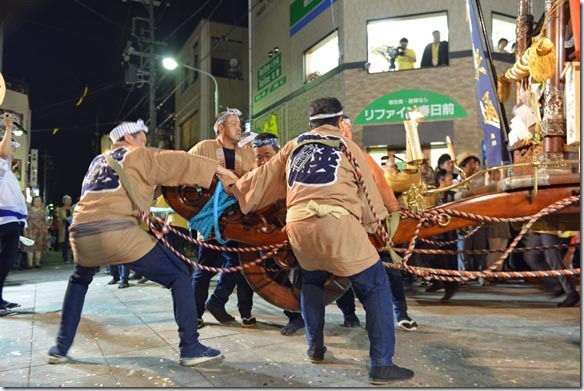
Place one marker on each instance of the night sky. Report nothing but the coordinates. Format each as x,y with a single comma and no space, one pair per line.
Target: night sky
57,47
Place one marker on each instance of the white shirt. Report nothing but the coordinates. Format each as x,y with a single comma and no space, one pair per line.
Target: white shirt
11,197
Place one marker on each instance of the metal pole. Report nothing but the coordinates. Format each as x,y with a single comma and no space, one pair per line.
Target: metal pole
151,56
216,95
45,177
250,65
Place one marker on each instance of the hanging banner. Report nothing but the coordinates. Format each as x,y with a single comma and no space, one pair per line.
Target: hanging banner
392,108
489,106
34,168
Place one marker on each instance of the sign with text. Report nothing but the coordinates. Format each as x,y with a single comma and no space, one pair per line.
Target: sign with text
270,71
270,89
393,107
34,167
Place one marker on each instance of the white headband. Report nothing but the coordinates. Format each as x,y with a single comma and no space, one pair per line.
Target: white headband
127,128
228,113
328,115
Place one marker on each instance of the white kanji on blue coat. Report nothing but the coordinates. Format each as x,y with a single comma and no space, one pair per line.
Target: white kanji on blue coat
100,177
314,164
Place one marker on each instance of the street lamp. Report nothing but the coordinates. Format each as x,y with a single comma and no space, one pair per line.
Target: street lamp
171,64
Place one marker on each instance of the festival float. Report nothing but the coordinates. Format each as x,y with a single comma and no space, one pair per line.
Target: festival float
532,169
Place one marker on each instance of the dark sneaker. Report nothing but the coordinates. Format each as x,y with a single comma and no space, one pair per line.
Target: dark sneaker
571,300
142,280
219,313
351,321
10,305
123,284
249,322
55,357
113,281
293,326
407,325
383,375
207,355
200,323
316,355
4,311
435,287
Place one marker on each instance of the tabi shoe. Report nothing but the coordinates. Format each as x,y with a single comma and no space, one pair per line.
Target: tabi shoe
113,281
208,354
351,321
56,358
123,284
293,326
249,322
316,355
219,313
571,300
407,324
10,305
385,374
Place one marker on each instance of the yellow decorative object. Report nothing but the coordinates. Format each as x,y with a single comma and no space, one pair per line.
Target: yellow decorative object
542,59
503,88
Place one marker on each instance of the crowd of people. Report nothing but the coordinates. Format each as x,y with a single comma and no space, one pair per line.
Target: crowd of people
327,223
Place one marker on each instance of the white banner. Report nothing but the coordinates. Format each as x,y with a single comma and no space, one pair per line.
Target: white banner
34,168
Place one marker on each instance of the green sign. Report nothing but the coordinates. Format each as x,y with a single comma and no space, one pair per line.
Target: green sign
270,89
300,8
270,71
393,107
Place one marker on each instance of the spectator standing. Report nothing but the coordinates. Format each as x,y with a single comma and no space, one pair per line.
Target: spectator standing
64,218
13,213
37,230
436,52
406,57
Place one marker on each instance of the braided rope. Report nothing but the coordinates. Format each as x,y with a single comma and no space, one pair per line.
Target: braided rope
160,235
555,207
203,243
485,251
440,243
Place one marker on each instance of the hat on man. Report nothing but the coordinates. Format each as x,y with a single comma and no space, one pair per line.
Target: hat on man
460,159
127,128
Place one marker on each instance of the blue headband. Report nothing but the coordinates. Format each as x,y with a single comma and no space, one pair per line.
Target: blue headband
267,141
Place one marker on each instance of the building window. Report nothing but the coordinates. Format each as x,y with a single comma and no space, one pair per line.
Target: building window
384,36
322,57
184,79
195,76
503,30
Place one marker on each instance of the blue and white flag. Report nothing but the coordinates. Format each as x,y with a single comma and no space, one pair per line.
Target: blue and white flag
489,107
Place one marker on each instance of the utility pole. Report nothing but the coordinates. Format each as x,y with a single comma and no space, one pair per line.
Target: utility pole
146,71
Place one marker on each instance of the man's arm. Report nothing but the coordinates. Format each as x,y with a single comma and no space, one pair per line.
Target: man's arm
386,192
6,143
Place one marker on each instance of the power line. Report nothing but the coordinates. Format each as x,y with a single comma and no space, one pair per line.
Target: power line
69,100
100,14
189,18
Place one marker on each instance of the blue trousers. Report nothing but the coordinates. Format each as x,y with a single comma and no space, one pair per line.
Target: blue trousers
116,270
158,265
398,295
226,283
372,285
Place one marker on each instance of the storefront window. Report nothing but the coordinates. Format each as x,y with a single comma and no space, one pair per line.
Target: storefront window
322,57
503,37
383,41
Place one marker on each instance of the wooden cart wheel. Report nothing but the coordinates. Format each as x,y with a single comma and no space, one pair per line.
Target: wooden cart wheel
276,280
